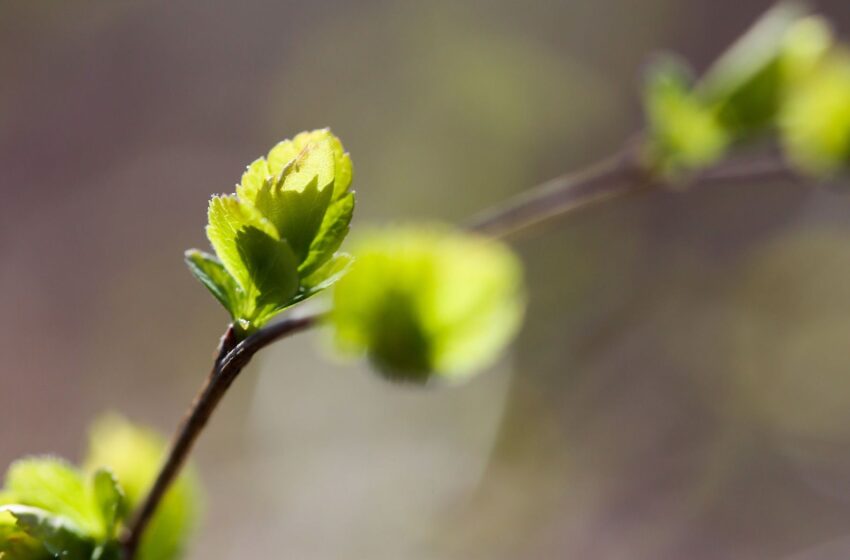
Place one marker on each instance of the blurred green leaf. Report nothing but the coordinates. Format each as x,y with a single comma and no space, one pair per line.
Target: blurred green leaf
683,133
109,498
59,535
15,544
816,119
53,485
746,83
135,454
428,302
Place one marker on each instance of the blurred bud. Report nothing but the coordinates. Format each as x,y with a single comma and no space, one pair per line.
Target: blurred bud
428,302
815,123
747,83
683,133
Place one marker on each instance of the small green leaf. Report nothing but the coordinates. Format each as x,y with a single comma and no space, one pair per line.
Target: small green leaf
58,534
55,486
328,273
227,217
272,268
15,544
109,498
334,229
212,274
327,160
296,214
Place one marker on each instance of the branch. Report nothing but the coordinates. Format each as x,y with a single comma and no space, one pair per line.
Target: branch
616,177
233,356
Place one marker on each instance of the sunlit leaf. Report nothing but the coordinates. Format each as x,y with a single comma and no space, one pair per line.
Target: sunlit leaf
332,232
227,217
53,485
271,265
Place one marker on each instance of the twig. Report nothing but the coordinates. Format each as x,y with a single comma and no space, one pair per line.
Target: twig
616,177
233,356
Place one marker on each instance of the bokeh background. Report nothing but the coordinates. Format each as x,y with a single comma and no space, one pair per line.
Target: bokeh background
681,388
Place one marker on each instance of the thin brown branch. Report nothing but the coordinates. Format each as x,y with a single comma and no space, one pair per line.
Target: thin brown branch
617,177
233,356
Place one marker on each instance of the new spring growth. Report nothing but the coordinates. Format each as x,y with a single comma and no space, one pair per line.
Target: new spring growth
786,77
276,239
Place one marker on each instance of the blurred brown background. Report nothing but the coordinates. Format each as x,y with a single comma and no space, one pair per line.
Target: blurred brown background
681,388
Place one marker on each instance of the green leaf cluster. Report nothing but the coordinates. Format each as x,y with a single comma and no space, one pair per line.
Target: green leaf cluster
51,509
276,239
782,78
428,302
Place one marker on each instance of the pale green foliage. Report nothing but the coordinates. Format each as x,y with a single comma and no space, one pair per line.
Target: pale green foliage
428,302
279,232
15,543
816,120
53,509
135,455
50,509
786,75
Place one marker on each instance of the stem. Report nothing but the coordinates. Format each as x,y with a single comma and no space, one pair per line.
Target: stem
233,355
616,177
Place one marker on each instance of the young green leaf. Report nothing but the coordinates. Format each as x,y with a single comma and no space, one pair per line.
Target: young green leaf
211,273
58,534
109,498
271,265
332,232
54,486
16,544
430,302
227,217
296,214
329,161
290,215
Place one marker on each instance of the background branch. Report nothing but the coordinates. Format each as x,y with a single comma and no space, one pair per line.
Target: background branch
616,177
